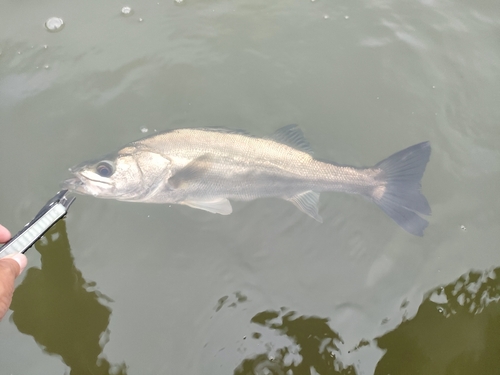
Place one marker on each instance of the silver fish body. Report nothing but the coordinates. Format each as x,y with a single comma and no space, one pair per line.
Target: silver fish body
204,168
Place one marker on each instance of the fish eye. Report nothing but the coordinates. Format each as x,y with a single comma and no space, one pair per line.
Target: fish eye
105,168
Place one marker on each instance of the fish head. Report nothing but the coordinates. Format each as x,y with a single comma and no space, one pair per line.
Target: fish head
130,174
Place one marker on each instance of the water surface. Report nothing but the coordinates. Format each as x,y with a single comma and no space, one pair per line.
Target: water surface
151,289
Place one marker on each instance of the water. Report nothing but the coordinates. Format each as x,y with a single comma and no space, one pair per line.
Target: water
154,289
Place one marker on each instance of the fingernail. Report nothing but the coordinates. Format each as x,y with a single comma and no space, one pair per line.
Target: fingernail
21,260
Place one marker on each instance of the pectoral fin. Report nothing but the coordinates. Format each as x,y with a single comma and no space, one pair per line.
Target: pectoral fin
193,171
307,202
217,206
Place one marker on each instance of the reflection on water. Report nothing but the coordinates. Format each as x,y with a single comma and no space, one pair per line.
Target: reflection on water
454,332
314,347
63,312
238,298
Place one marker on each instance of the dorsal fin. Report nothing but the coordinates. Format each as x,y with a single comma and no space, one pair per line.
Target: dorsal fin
292,136
221,129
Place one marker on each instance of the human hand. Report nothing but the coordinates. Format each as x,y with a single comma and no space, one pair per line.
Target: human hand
10,268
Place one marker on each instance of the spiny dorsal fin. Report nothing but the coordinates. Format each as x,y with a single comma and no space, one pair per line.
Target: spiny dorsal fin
193,171
221,129
307,202
292,136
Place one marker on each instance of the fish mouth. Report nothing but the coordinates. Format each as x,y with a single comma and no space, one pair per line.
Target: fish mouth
85,185
74,184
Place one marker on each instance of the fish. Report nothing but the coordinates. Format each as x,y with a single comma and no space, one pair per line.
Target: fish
205,168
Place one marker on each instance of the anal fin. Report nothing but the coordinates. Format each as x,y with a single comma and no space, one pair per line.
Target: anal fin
307,202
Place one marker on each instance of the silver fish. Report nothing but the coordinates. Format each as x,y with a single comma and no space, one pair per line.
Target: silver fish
205,167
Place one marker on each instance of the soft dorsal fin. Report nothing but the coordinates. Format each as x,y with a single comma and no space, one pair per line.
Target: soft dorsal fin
292,136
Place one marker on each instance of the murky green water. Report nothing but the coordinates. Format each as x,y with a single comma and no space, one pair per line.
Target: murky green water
149,289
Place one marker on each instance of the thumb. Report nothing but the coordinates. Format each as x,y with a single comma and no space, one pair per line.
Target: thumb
21,260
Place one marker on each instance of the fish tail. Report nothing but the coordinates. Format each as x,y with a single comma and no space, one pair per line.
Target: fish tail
398,193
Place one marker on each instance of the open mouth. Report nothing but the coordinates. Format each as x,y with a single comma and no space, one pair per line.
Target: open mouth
82,184
72,183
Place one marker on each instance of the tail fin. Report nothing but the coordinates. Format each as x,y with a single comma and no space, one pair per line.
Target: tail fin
399,195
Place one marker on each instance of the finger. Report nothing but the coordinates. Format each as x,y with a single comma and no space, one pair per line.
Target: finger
21,260
9,269
4,234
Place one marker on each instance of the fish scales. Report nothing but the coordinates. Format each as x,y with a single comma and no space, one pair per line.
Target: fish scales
245,154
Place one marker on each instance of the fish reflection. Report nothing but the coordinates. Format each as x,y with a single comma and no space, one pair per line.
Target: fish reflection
62,311
314,347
